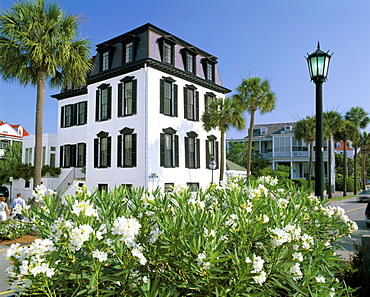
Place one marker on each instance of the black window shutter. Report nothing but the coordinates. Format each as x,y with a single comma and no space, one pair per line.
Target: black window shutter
186,152
72,151
197,105
96,152
176,150
134,150
161,96
198,153
61,153
74,114
134,96
109,102
109,148
85,114
120,113
185,103
62,115
119,150
97,106
175,99
216,153
207,154
161,148
84,154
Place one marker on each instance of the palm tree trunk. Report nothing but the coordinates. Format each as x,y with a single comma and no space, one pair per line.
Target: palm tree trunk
345,169
329,168
310,165
41,78
250,142
222,159
363,162
355,172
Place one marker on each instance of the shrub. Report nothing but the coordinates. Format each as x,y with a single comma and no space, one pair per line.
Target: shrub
350,184
12,229
233,240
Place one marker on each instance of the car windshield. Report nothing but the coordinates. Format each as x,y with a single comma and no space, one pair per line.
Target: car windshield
365,192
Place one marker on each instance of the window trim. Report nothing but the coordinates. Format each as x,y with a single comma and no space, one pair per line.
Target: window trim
98,150
167,40
212,139
192,155
122,97
174,148
195,109
98,103
174,96
121,148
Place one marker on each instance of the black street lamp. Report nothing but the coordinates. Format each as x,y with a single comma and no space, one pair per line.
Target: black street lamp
212,165
318,65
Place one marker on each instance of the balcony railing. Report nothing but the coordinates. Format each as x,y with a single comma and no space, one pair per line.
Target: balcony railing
298,154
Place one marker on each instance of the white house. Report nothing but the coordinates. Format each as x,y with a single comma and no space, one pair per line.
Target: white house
137,121
10,133
276,143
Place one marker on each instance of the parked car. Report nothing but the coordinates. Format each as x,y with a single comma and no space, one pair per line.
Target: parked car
364,196
367,215
4,192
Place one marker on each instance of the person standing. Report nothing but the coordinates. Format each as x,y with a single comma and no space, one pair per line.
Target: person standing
4,210
14,206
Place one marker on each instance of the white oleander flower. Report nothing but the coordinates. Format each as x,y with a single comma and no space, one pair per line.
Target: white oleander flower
298,256
260,278
128,228
296,271
320,279
101,256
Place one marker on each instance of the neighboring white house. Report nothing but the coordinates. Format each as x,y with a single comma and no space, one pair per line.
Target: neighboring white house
276,143
10,133
137,121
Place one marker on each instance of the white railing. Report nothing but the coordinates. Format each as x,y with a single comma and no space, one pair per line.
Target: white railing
68,180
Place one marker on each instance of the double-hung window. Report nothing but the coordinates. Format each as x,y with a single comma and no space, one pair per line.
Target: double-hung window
189,58
169,148
168,97
126,150
129,52
105,61
208,98
192,155
73,155
167,49
191,103
209,68
74,114
103,104
102,150
212,150
127,93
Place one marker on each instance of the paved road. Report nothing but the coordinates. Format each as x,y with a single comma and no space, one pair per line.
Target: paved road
356,212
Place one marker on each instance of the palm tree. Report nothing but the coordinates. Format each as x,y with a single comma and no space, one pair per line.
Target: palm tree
306,130
332,123
254,94
359,117
344,134
364,150
222,114
38,43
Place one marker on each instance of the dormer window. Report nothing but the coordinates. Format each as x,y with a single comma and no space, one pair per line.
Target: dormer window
105,56
166,47
129,51
209,68
189,55
105,61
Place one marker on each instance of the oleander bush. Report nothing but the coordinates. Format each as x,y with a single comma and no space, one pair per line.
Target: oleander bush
232,240
12,229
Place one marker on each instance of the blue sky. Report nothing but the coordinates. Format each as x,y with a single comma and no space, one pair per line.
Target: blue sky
265,38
